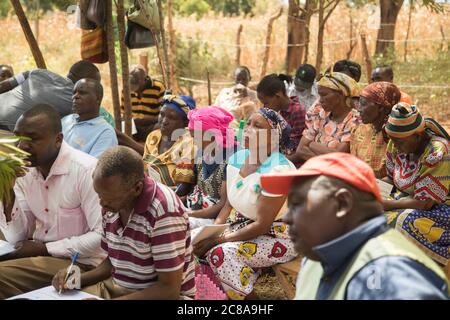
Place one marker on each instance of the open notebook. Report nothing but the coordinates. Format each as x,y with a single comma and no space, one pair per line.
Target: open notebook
5,248
208,231
49,293
385,188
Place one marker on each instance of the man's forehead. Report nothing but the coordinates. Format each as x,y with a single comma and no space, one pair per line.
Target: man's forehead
301,185
38,123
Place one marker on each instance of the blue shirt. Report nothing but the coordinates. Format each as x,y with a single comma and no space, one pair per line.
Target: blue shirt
93,136
386,278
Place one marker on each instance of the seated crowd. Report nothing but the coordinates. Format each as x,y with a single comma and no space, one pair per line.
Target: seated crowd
292,165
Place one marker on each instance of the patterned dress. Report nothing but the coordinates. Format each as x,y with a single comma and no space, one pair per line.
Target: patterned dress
173,166
237,265
369,146
320,128
424,178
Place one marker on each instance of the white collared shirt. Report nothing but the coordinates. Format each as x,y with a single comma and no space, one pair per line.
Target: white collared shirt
63,211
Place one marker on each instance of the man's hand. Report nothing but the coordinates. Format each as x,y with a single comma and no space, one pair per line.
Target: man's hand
30,248
58,281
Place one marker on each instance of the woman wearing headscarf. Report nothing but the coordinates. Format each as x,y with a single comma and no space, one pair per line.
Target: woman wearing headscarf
257,237
214,139
418,164
368,140
169,150
330,121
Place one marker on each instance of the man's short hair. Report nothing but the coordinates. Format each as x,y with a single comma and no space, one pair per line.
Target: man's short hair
84,69
49,112
121,161
98,88
386,69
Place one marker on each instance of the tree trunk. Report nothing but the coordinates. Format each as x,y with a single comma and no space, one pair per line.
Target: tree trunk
112,65
125,67
37,54
268,42
320,35
389,10
323,17
172,50
298,33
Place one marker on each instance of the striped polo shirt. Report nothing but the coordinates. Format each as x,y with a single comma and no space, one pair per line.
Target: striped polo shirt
149,103
156,239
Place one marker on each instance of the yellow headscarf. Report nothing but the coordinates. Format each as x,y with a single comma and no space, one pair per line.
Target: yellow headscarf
340,82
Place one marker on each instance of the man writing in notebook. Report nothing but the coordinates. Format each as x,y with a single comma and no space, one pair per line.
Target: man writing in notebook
53,204
145,234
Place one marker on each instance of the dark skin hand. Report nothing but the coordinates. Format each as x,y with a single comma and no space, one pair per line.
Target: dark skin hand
407,203
25,249
127,141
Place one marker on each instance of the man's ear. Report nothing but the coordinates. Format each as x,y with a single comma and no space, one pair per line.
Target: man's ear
59,140
138,188
345,202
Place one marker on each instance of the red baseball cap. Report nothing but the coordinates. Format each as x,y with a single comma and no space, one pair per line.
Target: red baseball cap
343,166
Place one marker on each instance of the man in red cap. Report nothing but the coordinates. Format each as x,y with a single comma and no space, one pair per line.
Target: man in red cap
336,221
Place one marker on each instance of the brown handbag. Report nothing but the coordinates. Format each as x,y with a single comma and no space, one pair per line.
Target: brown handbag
97,12
94,46
85,23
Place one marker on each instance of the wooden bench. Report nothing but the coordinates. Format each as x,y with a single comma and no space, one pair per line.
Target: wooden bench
284,272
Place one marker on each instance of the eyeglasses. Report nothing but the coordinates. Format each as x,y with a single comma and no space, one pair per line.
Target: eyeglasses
171,98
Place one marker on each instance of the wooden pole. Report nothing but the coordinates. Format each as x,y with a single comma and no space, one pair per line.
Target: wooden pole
365,52
238,45
209,88
172,49
164,44
411,7
113,66
268,37
155,36
143,60
36,20
443,38
37,54
125,66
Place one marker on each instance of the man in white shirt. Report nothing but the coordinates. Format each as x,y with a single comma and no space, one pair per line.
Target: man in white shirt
53,204
304,86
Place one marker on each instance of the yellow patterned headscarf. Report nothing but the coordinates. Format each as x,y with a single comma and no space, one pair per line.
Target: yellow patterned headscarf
340,82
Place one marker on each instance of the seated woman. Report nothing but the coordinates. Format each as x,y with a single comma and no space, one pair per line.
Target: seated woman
272,94
257,237
214,140
369,141
418,164
329,122
169,150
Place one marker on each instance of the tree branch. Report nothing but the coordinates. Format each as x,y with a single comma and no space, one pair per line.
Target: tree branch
330,12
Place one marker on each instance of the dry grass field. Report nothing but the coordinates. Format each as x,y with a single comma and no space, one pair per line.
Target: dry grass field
428,59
